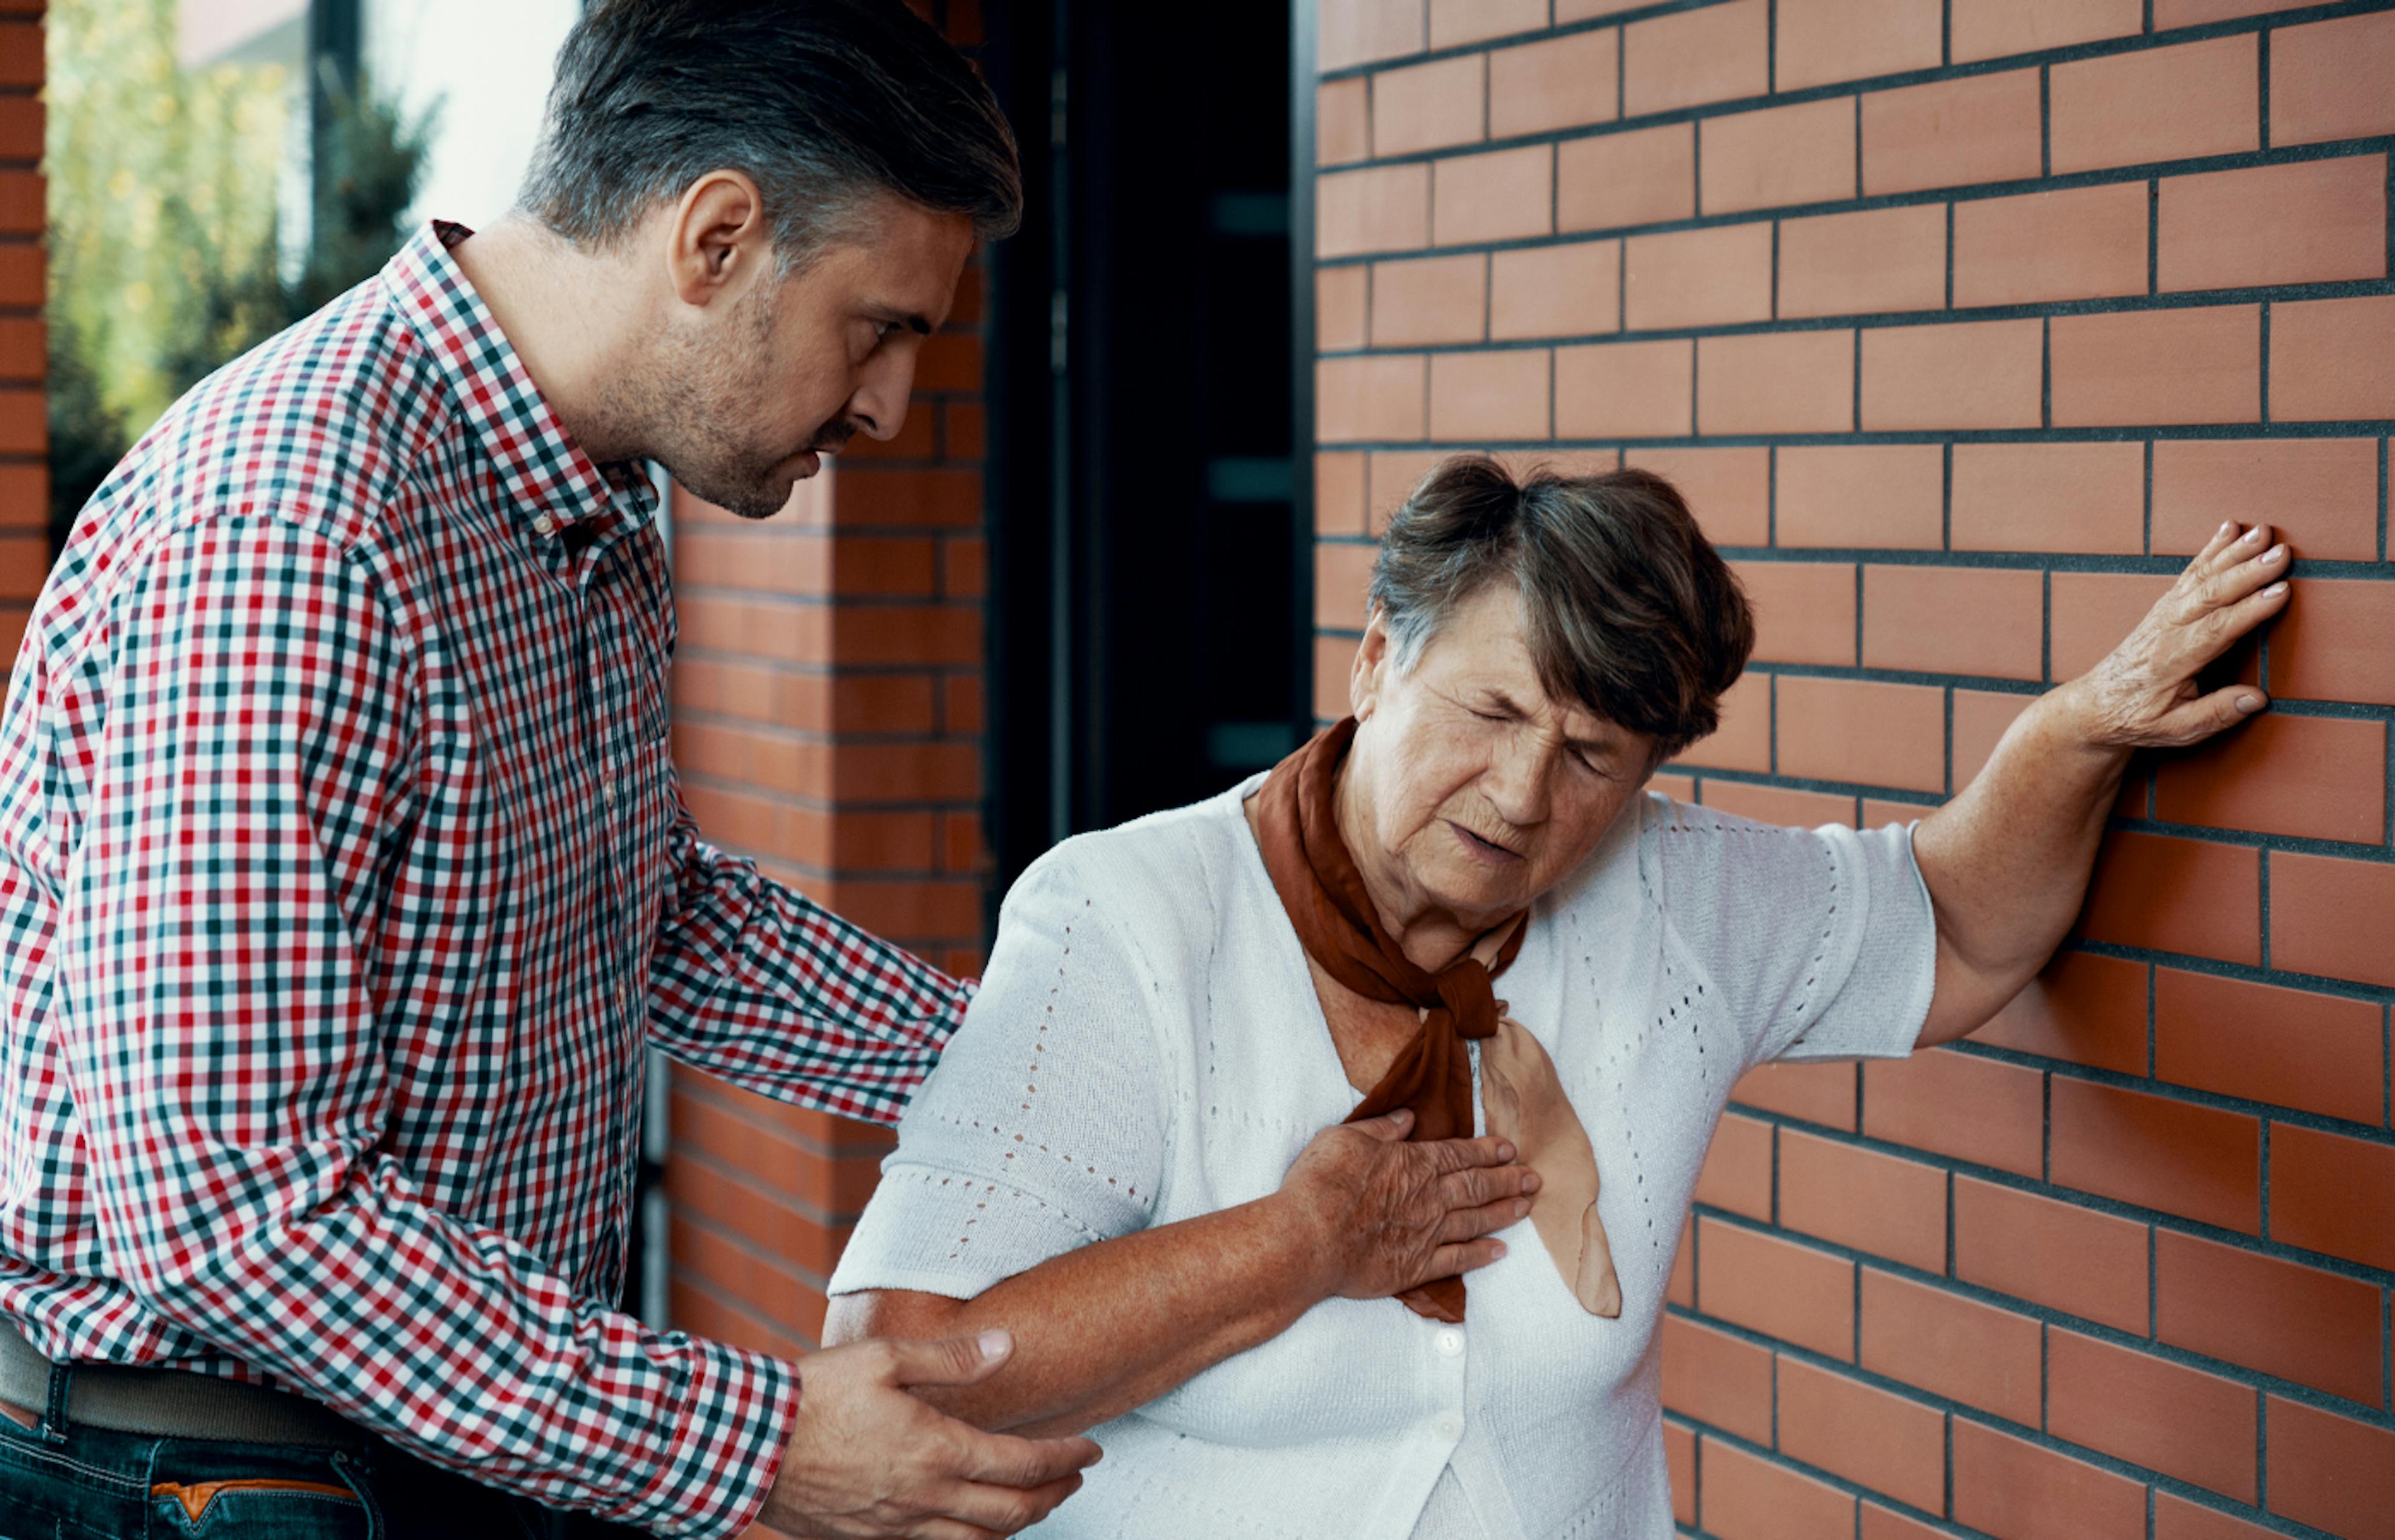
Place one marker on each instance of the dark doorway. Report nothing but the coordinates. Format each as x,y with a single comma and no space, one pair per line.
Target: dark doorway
1150,571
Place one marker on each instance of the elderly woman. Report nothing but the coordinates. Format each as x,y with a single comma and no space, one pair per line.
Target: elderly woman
1122,1160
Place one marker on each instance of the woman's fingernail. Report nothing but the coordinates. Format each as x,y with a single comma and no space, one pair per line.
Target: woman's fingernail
1521,1207
2274,590
2226,526
1504,1152
995,1343
2254,533
2249,703
1501,1250
2275,554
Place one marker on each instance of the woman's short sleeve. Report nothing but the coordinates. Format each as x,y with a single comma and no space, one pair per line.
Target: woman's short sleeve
1823,940
1043,1127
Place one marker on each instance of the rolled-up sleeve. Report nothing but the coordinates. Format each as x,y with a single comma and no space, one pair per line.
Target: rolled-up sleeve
1822,942
1044,1127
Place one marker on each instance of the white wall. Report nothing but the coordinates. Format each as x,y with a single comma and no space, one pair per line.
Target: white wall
491,62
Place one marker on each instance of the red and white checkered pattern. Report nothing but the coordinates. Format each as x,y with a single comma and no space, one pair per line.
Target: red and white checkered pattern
343,876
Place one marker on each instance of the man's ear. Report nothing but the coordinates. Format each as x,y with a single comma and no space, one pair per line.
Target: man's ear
717,241
1372,661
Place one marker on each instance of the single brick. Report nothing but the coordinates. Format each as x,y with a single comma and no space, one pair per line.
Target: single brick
1680,1466
2050,496
1977,374
1879,1524
2333,1194
1458,21
1694,57
1360,31
1778,804
1503,196
2184,895
1864,731
1776,382
2169,14
1342,122
2321,778
1341,308
2015,1490
2082,1009
1342,573
1748,1497
1780,155
1882,495
1826,41
1379,397
2320,494
1717,1379
2200,364
2092,611
2053,1254
2197,1161
2079,243
1950,133
1804,611
2332,358
1859,1198
2300,1323
2331,1473
1379,208
1392,477
2134,1407
1339,494
2337,642
2328,80
1981,718
1570,290
1992,29
2313,221
1642,177
1879,260
1625,389
1562,83
2156,104
1429,299
1870,1437
1816,1092
1948,1103
1728,489
20,53
2329,916
1951,1347
1743,739
1961,620
1765,1284
1737,1172
2177,1518
1483,397
1698,277
1431,106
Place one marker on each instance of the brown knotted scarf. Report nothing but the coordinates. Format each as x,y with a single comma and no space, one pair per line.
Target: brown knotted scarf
1319,886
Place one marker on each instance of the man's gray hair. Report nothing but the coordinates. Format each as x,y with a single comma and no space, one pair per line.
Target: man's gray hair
1629,612
824,103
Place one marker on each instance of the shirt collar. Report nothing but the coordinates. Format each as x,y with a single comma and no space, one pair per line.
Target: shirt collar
550,481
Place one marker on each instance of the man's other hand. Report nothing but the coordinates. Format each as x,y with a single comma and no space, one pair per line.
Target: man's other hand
867,1460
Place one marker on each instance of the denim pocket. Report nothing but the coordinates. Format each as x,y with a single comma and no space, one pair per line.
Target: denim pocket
260,1509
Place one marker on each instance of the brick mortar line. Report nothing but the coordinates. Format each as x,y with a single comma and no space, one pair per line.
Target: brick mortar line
2113,434
2046,1315
722,1298
835,808
699,1086
810,737
2190,1095
827,1219
2146,171
2071,53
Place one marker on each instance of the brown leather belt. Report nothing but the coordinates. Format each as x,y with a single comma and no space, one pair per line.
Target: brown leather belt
168,1403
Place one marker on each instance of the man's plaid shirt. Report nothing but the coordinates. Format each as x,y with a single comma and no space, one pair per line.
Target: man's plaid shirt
343,877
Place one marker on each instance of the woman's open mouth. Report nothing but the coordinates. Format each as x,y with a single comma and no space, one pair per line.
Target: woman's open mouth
1483,849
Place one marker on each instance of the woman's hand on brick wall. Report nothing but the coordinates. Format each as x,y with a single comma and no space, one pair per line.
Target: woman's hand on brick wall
2145,693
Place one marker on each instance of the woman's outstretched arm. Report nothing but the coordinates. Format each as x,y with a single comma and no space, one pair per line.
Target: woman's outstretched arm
2007,862
1113,1325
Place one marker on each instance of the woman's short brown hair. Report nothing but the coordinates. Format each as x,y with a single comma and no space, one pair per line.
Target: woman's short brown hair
1629,610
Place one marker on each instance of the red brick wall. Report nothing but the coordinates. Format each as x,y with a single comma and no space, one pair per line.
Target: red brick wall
828,722
1961,323
24,428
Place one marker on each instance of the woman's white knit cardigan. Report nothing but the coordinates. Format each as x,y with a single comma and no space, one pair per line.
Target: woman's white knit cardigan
1148,1047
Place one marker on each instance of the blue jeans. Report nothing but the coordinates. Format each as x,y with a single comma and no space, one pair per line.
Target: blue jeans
75,1482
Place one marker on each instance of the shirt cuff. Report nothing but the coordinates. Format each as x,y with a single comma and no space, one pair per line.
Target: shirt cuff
726,1447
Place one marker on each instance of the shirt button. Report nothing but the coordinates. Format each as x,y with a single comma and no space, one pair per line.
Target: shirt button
1450,1342
1449,1425
544,524
607,790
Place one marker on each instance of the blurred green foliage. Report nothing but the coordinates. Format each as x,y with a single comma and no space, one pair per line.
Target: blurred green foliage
165,255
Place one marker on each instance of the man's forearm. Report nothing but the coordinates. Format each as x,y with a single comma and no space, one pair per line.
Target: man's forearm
1113,1325
2007,862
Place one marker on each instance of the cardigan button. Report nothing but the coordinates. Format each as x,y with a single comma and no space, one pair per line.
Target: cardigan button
1449,1425
1450,1342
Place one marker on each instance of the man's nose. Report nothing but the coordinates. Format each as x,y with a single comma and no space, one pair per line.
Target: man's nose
879,407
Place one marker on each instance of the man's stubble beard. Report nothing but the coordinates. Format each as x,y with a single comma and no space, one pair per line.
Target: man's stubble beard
699,403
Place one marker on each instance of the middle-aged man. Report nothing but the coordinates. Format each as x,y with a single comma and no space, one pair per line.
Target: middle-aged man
344,877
